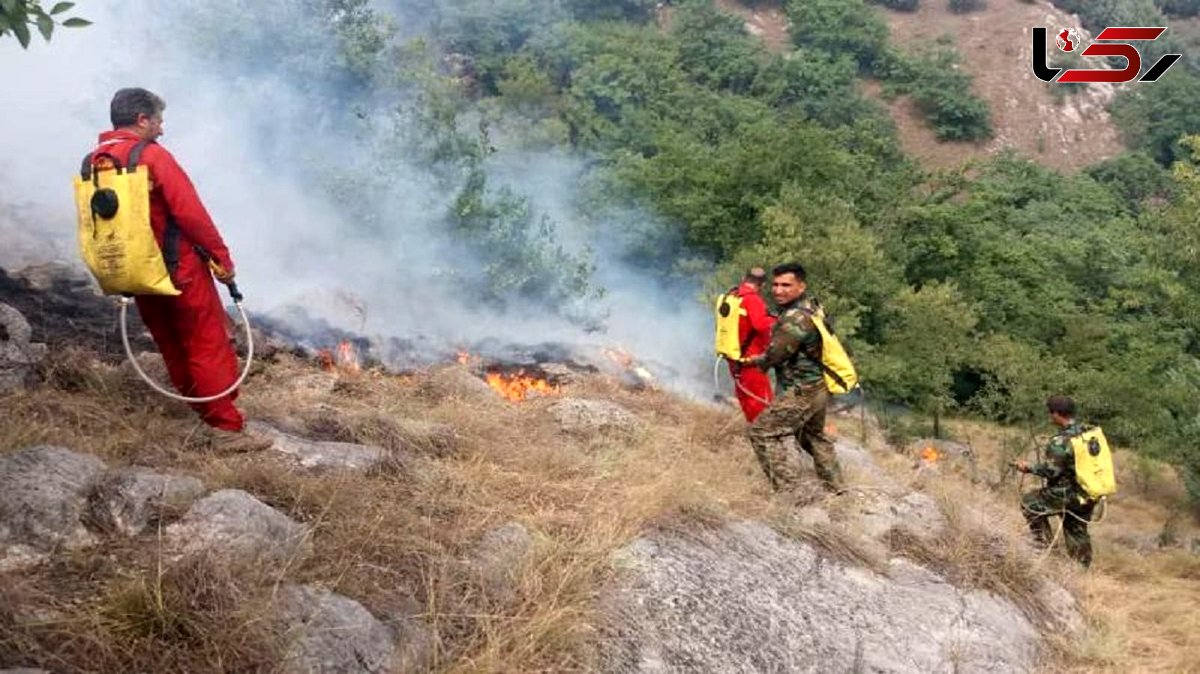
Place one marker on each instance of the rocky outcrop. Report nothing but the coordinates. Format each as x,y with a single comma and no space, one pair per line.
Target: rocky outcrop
743,598
19,357
43,494
326,632
128,501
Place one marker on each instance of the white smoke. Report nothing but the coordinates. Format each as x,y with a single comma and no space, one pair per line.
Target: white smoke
246,138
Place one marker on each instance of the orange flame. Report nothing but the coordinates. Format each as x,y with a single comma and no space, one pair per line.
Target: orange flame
930,454
516,387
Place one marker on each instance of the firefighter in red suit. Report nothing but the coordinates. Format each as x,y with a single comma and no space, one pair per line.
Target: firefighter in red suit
751,385
190,328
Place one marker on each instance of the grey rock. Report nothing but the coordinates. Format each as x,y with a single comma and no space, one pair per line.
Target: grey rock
853,455
129,500
19,358
329,633
45,275
742,598
321,454
575,415
498,554
233,525
44,494
916,513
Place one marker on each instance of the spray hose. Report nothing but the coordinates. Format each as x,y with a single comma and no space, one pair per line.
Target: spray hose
237,301
717,381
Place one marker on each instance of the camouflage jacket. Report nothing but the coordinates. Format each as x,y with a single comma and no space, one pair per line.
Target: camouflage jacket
795,343
1059,467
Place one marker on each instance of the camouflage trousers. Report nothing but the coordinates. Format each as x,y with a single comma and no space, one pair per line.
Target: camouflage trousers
1040,505
799,412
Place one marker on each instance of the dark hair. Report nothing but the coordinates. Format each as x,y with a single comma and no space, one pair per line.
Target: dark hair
127,104
1062,405
793,268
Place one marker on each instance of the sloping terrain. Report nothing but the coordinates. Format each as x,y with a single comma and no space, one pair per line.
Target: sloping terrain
597,525
1066,131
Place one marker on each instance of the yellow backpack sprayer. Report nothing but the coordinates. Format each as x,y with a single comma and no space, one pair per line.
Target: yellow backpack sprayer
118,246
728,314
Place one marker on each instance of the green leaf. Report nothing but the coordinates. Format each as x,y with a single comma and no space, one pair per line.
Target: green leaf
22,32
60,7
9,6
45,26
76,22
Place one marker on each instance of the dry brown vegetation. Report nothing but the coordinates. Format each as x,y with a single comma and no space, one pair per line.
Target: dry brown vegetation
1139,599
396,539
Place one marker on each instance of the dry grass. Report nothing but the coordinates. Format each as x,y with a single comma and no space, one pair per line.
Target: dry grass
395,539
1139,601
399,539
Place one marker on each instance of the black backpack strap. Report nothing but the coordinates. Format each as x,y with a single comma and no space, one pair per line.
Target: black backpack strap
172,234
85,169
135,155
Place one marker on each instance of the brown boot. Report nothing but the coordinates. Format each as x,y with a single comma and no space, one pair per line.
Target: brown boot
234,442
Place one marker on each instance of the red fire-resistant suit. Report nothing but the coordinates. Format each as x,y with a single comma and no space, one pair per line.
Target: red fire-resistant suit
190,328
752,386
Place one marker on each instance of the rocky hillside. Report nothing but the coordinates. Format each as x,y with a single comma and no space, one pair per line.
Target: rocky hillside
1066,131
602,525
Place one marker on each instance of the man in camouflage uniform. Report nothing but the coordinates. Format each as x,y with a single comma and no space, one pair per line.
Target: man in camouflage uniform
1061,496
799,407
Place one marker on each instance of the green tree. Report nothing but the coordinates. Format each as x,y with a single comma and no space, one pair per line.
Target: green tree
837,27
19,16
927,340
1154,118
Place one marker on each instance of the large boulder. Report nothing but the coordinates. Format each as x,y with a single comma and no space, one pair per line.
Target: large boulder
19,357
233,525
128,501
742,598
332,634
43,494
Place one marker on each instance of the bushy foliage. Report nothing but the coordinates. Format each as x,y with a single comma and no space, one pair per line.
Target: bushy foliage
982,290
942,91
1179,8
1154,118
839,27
